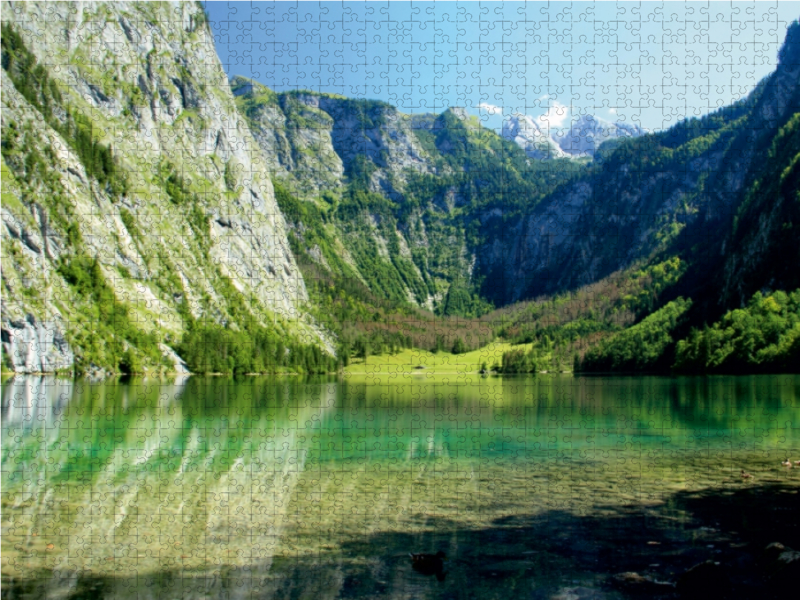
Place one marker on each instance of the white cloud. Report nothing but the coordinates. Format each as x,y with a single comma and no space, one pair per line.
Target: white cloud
613,111
492,109
555,117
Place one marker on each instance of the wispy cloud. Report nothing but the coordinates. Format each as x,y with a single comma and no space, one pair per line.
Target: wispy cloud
492,109
555,117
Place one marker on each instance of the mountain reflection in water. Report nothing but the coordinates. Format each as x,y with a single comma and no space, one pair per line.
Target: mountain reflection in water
281,487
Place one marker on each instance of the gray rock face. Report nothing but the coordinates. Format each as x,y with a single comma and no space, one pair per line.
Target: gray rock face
312,140
33,346
294,135
160,99
380,133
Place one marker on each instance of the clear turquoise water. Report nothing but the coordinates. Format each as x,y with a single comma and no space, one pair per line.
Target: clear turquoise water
286,488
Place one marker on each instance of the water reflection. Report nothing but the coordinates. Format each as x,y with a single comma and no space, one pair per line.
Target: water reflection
212,487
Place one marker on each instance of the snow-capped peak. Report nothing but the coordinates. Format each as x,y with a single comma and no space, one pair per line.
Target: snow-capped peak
526,133
589,131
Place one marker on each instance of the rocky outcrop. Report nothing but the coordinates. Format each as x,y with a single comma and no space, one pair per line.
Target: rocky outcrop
313,140
294,135
32,346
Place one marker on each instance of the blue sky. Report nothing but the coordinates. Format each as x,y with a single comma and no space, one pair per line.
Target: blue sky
652,63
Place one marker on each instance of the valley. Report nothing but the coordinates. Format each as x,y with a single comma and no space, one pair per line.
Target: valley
159,216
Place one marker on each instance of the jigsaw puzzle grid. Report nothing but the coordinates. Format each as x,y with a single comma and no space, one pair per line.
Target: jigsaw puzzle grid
649,63
533,487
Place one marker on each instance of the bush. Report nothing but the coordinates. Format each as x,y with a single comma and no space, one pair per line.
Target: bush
762,337
518,361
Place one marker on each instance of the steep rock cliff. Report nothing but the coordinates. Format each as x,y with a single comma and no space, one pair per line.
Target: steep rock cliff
127,149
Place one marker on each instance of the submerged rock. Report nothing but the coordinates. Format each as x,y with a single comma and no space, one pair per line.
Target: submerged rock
708,579
781,566
635,583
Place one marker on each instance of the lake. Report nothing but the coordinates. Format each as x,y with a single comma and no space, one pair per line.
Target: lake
534,487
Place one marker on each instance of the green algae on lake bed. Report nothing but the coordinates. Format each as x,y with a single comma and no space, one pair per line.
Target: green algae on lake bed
320,488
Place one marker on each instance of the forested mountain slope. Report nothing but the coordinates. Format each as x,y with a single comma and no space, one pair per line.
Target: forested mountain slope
135,201
402,196
676,191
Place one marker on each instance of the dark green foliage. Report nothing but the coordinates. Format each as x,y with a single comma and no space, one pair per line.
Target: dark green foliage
459,347
359,214
97,158
767,223
460,302
230,177
297,211
762,337
212,348
645,346
518,361
130,223
176,187
30,79
113,342
180,195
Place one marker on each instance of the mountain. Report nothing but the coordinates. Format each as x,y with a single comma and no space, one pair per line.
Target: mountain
588,132
526,133
157,215
386,198
135,200
676,192
317,138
